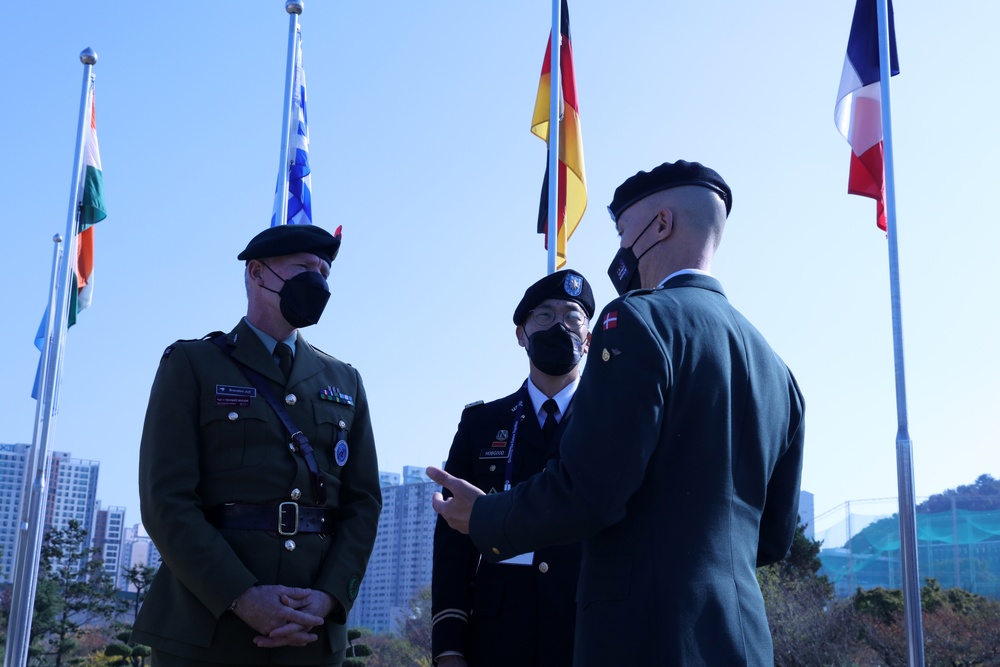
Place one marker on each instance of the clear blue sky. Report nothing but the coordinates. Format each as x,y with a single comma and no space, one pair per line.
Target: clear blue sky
420,148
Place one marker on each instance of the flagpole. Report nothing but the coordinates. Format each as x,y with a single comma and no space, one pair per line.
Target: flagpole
294,8
28,545
904,451
555,95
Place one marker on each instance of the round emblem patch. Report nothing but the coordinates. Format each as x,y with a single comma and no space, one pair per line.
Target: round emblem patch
353,586
340,453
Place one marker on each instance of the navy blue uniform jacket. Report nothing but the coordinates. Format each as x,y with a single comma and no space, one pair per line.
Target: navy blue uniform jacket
502,615
681,469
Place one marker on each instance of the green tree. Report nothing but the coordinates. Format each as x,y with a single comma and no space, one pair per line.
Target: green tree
960,628
140,577
77,593
416,621
981,496
807,624
357,651
392,651
123,651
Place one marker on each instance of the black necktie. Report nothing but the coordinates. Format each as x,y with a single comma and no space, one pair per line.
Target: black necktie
284,354
549,427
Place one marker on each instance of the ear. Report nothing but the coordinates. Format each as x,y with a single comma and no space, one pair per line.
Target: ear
522,339
255,269
664,225
586,343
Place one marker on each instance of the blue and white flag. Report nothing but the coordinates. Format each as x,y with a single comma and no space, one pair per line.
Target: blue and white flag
299,178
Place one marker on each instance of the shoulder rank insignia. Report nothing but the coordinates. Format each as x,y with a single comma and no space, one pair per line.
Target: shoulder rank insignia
472,405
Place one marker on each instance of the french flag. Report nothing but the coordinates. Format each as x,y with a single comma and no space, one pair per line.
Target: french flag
858,114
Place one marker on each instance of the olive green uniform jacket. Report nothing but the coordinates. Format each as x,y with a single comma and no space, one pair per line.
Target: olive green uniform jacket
680,470
210,438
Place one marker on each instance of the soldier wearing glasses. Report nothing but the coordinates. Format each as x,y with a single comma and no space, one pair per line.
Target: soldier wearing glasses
521,611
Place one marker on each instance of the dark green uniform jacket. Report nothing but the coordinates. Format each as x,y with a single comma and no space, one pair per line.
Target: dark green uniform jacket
681,471
210,439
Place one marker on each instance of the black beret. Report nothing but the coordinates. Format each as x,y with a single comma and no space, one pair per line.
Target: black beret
668,175
565,285
290,239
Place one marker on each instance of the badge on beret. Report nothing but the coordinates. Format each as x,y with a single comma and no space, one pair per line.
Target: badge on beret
340,453
573,284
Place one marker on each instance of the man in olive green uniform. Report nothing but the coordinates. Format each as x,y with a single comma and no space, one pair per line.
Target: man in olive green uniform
264,535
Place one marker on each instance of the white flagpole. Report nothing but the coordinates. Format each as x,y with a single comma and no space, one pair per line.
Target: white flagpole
555,97
294,8
904,451
28,547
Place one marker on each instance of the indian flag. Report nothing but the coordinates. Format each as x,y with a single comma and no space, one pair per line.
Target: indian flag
91,212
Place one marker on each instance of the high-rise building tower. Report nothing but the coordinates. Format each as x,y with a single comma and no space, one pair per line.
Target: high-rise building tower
108,537
13,459
401,561
72,494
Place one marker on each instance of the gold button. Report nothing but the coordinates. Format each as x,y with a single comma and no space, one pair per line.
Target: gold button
233,416
296,494
290,399
605,355
543,567
496,551
290,545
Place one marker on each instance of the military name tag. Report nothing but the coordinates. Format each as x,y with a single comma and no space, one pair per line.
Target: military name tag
493,453
228,395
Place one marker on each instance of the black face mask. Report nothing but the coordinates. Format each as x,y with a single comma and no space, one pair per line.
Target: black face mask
624,269
556,350
302,298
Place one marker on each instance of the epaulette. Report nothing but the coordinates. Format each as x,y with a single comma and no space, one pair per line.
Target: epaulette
472,405
170,348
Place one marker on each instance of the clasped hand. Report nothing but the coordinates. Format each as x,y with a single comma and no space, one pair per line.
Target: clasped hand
282,615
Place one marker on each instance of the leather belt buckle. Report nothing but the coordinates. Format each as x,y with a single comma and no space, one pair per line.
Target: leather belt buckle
288,513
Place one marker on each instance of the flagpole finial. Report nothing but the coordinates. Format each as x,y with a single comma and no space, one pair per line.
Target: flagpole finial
293,6
88,56
57,238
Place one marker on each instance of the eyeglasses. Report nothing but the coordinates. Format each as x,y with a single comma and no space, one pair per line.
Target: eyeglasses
573,319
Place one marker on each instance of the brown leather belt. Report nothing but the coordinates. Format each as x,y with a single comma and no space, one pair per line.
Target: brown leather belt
286,518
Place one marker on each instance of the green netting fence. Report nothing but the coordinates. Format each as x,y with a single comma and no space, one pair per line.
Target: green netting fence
958,547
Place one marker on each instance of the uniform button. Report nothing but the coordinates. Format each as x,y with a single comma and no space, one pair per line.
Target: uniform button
543,567
289,545
296,494
493,468
233,416
291,447
341,424
290,399
496,551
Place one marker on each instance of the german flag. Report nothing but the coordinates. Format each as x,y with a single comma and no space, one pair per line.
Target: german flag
572,181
